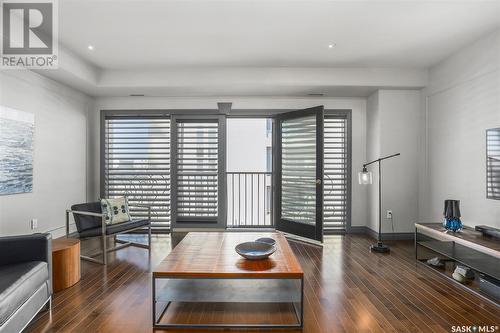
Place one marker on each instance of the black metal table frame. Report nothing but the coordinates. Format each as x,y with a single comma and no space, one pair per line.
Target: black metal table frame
156,319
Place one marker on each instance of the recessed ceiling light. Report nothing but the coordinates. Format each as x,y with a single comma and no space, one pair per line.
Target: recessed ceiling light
330,46
90,47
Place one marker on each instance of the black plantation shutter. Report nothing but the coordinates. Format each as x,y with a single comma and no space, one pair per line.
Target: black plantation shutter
137,164
197,171
335,173
493,164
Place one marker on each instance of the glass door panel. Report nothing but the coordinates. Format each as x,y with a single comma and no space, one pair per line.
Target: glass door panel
300,173
298,181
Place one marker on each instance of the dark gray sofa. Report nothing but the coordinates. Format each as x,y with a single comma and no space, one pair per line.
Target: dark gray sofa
25,279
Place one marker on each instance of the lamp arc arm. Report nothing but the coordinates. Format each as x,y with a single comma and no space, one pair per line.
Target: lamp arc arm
380,159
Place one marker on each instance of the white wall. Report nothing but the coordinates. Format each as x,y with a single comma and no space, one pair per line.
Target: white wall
400,111
393,127
59,152
463,100
358,106
373,144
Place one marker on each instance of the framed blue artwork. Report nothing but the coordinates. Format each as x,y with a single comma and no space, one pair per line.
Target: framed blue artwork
17,130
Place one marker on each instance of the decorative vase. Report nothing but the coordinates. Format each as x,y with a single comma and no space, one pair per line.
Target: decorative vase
452,215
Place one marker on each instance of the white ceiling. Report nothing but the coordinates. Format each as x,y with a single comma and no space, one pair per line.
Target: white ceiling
261,47
149,34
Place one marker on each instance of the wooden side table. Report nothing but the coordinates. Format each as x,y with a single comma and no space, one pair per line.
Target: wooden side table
65,263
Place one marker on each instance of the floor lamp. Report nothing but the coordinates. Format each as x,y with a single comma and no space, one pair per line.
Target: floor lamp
365,177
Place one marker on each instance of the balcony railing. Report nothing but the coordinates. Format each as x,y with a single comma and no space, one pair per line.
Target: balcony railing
249,200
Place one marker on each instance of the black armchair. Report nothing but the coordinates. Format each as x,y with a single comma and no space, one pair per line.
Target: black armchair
90,222
25,279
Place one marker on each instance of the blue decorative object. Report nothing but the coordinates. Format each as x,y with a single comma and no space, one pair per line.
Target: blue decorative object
267,240
452,224
452,215
255,250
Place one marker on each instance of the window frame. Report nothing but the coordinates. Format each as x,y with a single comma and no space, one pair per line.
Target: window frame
236,113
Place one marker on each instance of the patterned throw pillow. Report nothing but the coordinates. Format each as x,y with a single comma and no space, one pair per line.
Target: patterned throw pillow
115,210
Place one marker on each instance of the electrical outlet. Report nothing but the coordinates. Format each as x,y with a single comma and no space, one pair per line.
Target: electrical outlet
389,214
34,224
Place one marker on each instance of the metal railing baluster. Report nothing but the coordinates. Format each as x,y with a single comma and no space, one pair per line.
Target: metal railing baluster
258,199
239,199
264,195
232,195
250,201
246,199
252,198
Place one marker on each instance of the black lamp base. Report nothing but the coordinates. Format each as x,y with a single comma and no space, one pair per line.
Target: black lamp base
380,248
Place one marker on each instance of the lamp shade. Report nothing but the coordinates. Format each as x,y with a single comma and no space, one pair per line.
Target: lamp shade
452,209
365,177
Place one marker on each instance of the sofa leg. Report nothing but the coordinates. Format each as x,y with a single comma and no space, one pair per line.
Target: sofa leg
48,305
104,250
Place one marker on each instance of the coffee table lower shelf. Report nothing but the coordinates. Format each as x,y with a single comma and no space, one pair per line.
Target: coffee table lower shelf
188,290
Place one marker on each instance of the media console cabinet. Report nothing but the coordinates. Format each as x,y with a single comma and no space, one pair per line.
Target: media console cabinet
468,248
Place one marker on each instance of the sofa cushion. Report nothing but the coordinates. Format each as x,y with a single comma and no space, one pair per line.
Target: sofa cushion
112,229
115,210
84,222
17,283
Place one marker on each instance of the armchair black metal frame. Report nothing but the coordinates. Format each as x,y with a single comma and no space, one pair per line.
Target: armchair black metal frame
104,235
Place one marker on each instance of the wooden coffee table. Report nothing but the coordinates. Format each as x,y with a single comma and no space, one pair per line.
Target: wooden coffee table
204,268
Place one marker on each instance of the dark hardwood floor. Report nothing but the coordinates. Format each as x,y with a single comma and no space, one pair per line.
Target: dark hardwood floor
347,289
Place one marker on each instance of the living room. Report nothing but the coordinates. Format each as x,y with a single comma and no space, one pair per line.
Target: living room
315,166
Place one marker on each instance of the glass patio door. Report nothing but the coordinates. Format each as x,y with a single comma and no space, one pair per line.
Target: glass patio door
299,171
